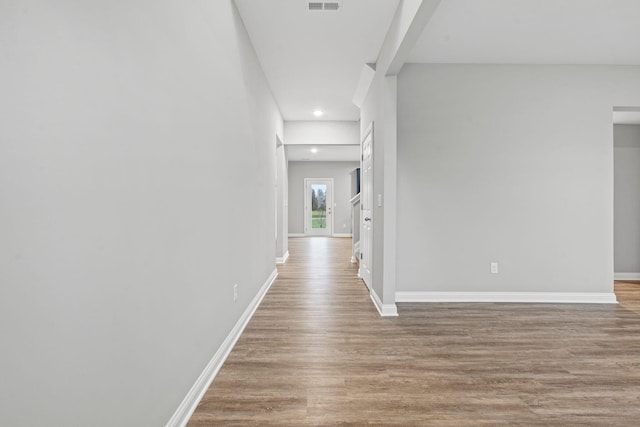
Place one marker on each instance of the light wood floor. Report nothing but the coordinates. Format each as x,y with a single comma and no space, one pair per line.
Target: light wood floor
628,294
317,353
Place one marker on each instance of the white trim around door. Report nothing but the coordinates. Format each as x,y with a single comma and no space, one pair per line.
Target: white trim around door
366,208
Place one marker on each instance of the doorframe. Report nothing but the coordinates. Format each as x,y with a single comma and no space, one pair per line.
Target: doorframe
619,275
281,196
307,224
368,198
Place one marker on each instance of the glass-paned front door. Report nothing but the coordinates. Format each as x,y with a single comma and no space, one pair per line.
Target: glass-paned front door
318,204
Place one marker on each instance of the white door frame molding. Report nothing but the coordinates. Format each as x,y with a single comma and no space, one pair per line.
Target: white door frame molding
366,205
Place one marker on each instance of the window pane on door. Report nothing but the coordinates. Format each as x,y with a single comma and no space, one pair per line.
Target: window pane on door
319,206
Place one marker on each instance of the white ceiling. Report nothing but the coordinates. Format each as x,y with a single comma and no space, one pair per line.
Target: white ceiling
331,153
532,32
314,59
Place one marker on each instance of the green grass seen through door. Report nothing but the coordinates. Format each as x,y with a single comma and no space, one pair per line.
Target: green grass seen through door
319,219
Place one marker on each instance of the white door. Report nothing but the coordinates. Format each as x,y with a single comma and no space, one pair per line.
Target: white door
318,209
366,200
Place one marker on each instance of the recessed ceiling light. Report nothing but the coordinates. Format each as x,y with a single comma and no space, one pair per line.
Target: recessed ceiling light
318,113
314,150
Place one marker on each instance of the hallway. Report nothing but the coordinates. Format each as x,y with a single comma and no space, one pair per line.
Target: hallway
317,353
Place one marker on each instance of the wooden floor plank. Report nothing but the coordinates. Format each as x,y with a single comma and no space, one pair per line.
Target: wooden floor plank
317,353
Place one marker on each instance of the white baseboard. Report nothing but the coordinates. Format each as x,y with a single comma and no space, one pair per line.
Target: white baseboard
296,234
191,400
283,259
341,234
626,276
385,310
524,297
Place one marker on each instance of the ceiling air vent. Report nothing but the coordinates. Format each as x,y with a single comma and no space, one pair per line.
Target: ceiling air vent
324,5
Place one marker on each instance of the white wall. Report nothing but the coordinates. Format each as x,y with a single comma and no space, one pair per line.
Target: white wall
136,141
626,156
321,132
339,171
512,164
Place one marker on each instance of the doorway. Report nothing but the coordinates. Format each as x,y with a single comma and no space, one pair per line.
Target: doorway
626,154
366,230
318,209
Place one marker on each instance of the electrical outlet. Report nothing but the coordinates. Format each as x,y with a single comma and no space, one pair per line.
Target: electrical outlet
344,225
235,292
494,268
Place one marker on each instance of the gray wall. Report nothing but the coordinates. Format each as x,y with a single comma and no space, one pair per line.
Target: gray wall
626,155
512,164
135,145
339,171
